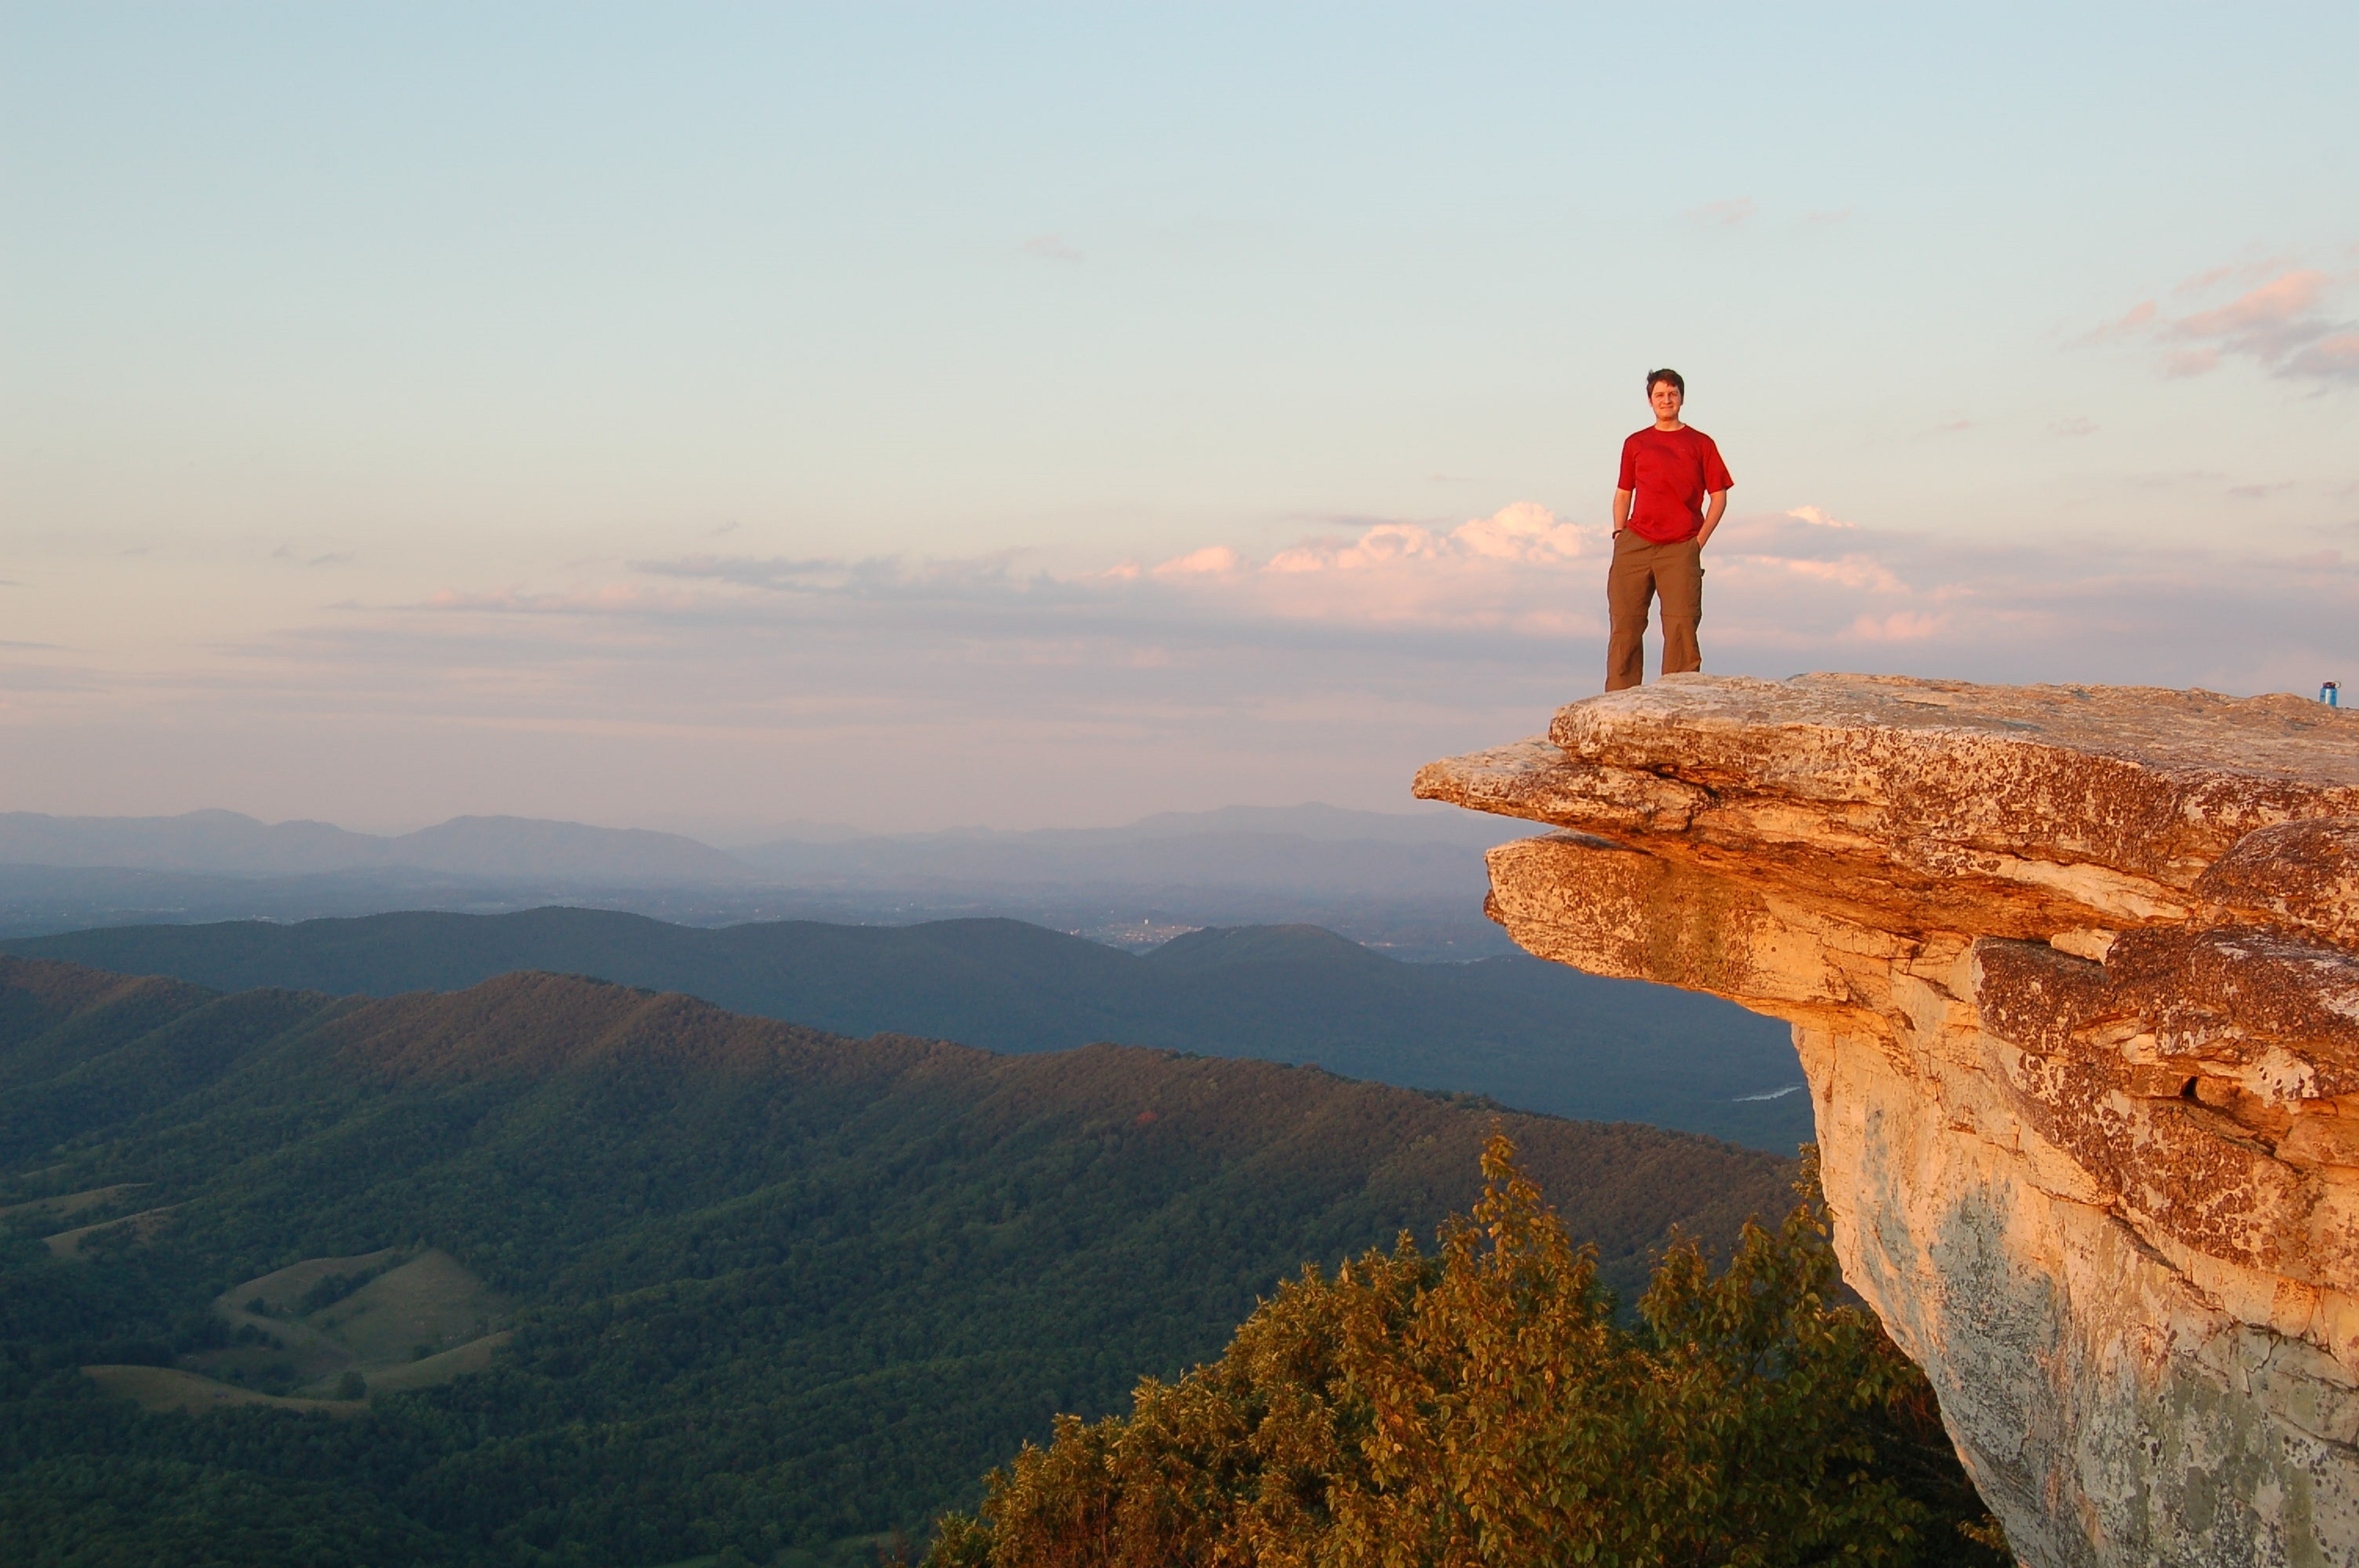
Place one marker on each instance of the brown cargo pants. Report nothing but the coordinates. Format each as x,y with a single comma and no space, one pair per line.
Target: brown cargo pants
1641,570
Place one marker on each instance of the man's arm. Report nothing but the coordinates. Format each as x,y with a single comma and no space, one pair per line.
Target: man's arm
1621,510
1718,505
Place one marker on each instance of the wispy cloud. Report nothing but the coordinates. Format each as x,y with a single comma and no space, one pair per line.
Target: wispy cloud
801,573
1817,518
2245,274
2268,322
1213,560
1049,247
1478,574
2139,317
1728,215
1900,626
1211,671
1526,532
2284,322
2332,358
1522,577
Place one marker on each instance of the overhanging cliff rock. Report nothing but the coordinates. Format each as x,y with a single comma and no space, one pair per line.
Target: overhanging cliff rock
2075,974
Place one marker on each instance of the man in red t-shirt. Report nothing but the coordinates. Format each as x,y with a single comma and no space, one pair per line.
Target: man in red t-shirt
1660,524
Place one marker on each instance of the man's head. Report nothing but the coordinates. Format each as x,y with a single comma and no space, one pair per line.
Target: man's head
1666,391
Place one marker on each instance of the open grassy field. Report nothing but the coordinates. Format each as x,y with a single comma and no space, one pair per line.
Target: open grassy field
131,1230
70,1203
281,1291
169,1389
403,1306
431,1301
475,1355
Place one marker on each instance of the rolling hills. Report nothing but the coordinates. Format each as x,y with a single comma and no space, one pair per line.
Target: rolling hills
1532,1034
770,1290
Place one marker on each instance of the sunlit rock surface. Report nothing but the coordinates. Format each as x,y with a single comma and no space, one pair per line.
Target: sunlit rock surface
2075,975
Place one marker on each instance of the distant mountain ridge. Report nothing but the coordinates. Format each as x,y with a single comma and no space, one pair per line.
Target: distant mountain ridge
1531,1034
230,842
1409,881
486,846
1311,819
1262,861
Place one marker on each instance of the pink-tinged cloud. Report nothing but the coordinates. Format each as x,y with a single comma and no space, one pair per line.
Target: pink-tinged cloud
1523,572
1786,592
606,598
2250,271
1900,626
2280,323
2329,359
1728,215
1817,518
1863,572
1524,533
2139,317
1213,560
1058,692
1381,545
2272,304
1049,247
1500,570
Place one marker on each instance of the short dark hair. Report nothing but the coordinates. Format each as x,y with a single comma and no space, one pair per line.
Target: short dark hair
1666,373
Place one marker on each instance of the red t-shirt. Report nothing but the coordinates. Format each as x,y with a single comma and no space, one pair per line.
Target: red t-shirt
1668,473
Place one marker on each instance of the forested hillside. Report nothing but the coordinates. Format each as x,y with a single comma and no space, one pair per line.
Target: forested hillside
678,1280
1485,1405
1536,1035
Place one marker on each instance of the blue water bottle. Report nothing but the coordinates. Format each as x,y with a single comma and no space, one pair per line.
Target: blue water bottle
2330,694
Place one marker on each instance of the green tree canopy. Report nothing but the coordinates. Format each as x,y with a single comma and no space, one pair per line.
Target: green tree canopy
1485,1407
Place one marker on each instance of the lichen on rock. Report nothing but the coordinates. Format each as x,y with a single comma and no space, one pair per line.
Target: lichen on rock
2074,973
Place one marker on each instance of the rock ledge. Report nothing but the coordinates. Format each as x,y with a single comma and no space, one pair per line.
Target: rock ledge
2075,972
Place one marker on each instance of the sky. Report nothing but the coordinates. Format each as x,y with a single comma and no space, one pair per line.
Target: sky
716,416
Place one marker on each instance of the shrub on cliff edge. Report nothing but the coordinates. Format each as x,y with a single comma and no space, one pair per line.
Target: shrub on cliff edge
1484,1407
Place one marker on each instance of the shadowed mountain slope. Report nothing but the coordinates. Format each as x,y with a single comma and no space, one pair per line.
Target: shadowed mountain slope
1531,1034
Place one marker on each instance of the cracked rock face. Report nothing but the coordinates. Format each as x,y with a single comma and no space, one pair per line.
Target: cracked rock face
2075,972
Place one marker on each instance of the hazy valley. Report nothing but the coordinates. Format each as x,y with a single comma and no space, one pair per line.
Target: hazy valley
603,1215
619,1276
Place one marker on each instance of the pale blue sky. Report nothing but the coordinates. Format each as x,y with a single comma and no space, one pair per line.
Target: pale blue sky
414,409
